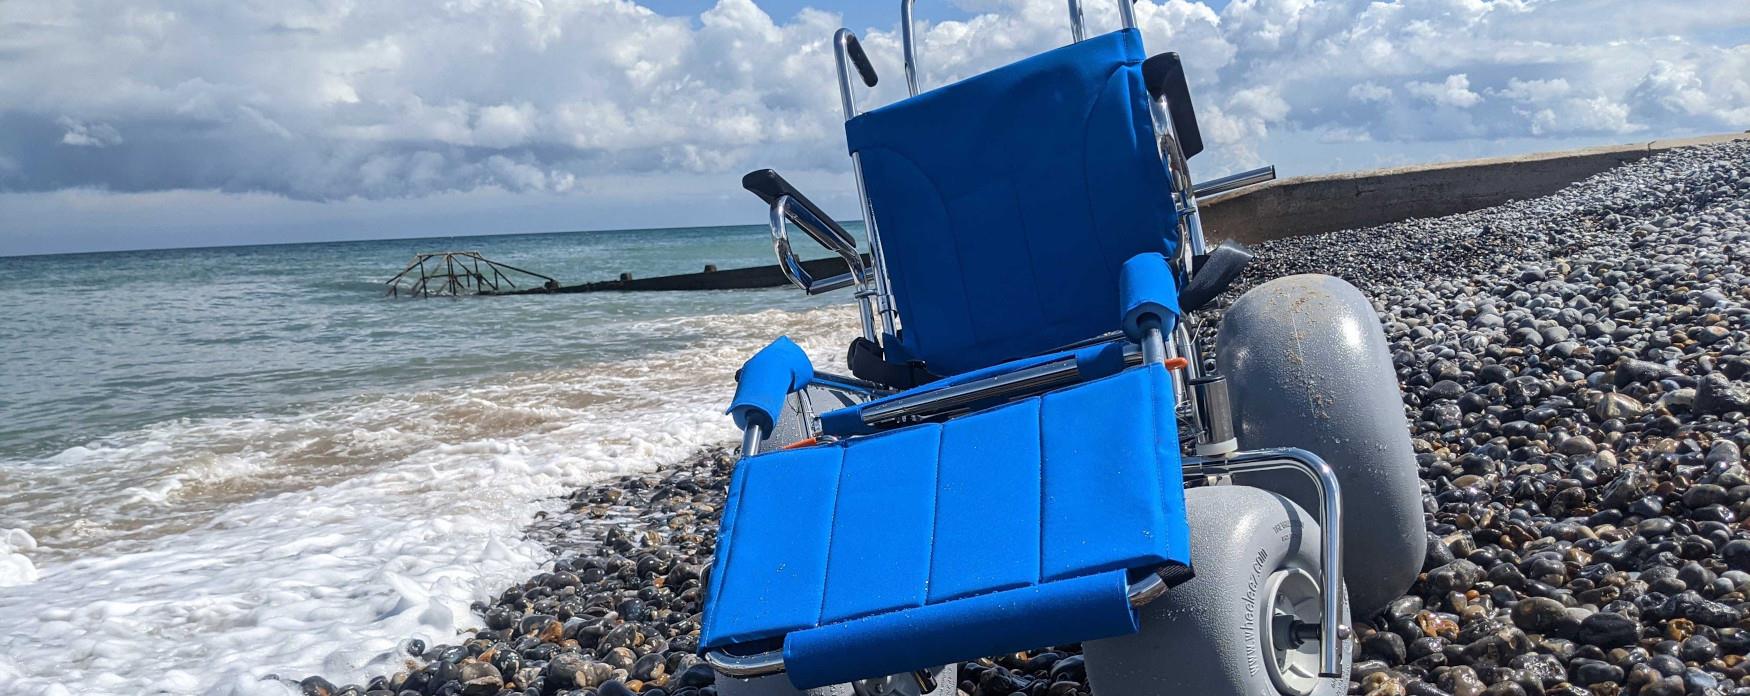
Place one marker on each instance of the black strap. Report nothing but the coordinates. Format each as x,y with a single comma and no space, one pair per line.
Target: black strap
867,361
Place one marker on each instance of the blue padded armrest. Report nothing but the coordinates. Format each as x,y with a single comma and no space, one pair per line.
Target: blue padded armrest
765,379
1147,290
1092,362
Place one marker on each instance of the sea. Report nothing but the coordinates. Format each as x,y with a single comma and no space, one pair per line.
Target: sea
220,467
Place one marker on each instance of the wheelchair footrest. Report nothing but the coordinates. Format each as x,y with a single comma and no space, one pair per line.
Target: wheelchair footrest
1007,528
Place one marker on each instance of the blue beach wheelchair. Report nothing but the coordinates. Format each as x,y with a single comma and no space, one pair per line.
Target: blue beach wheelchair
1004,467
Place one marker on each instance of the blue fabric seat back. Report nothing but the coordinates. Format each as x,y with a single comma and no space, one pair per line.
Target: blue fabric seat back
1006,203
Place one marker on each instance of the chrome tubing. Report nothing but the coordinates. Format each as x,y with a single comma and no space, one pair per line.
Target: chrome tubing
1077,28
850,384
1187,349
883,299
1212,412
750,441
1230,182
1154,345
1148,589
1332,630
841,42
746,666
784,209
788,262
911,46
1078,24
1030,380
1191,242
1190,228
947,399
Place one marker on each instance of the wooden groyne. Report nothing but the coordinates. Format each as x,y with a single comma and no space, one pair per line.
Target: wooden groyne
709,279
457,273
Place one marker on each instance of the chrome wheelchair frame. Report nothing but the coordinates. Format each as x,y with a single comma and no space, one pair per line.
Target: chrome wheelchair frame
1201,400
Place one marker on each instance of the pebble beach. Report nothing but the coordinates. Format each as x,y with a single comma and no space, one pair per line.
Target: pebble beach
1576,376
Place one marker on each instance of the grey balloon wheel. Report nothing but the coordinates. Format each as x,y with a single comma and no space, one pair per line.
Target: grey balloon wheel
1218,633
1308,366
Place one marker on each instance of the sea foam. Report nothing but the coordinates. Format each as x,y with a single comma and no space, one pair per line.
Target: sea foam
334,576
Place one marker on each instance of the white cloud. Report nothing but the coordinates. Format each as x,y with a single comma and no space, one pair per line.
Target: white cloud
1454,91
1534,91
330,99
88,134
1370,92
1687,92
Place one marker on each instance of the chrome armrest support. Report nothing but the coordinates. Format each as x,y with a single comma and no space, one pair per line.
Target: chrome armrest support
784,210
1330,515
1154,343
750,441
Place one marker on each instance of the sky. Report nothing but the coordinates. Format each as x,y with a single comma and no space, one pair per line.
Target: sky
167,123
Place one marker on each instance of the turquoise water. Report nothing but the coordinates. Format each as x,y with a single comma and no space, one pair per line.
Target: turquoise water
219,464
100,343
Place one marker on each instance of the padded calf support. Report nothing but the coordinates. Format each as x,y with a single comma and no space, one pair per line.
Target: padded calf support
1085,608
765,379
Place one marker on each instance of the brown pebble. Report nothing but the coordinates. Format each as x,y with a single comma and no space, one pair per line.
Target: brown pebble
1679,629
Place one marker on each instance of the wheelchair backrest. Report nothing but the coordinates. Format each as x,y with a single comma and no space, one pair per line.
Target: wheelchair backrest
1007,202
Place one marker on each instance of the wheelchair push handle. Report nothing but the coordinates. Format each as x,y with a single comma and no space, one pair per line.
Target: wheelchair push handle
854,50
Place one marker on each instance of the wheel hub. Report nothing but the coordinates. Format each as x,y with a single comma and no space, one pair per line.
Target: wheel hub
1291,636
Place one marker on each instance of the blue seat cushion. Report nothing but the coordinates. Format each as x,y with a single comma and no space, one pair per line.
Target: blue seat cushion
1007,203
950,541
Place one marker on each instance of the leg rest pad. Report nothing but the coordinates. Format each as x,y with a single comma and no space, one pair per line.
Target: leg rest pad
958,536
1090,607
